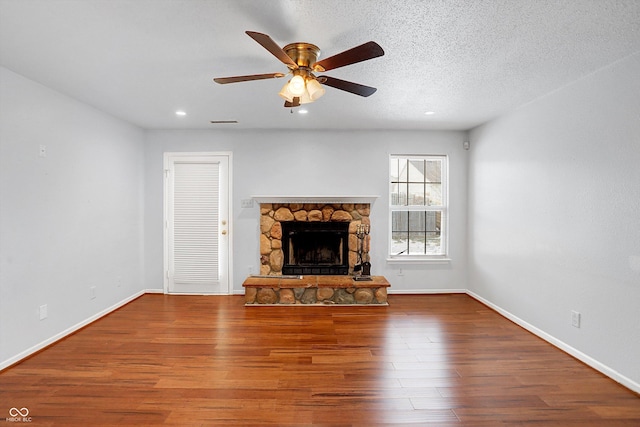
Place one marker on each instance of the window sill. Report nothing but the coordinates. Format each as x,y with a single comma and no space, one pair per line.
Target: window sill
423,260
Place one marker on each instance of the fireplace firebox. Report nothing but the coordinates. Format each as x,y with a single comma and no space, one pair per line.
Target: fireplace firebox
318,248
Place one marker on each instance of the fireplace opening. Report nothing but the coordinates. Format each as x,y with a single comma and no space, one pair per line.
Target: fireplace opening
319,248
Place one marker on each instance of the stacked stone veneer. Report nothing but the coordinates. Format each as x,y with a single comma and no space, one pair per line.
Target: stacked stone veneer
273,214
315,290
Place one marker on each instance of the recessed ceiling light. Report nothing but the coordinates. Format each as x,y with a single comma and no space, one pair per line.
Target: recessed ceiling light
303,111
429,113
180,113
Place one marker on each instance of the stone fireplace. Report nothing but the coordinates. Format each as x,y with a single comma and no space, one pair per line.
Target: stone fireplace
330,247
308,251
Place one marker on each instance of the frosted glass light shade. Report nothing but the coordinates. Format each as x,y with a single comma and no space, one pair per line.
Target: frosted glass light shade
297,85
305,98
307,90
285,93
315,89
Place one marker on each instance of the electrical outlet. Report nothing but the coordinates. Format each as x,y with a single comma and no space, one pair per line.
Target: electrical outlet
575,319
400,272
250,270
43,311
92,292
246,203
42,152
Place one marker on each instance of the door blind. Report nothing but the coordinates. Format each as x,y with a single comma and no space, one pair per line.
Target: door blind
195,222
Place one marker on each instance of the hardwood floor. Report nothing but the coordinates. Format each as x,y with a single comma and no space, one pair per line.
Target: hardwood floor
442,360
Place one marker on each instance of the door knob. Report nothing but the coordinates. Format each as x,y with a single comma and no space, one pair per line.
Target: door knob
224,232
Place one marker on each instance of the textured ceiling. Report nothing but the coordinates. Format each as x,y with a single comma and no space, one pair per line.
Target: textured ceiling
468,60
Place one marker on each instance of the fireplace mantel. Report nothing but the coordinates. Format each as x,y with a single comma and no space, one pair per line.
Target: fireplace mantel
315,199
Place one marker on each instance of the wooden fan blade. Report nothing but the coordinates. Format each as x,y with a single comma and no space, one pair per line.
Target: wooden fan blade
355,88
267,42
360,53
235,79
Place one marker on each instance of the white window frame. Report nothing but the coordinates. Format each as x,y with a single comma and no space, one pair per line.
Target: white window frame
443,256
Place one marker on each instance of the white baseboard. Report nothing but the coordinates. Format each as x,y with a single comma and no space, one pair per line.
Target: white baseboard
598,366
28,352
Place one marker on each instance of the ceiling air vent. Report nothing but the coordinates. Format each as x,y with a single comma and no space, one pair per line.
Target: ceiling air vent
223,122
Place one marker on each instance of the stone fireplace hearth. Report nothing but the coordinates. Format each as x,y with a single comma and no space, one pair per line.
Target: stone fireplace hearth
273,215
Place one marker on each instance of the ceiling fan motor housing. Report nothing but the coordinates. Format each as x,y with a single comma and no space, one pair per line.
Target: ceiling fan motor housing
303,54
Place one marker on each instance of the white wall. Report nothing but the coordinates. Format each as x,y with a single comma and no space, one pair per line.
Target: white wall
313,163
68,221
554,215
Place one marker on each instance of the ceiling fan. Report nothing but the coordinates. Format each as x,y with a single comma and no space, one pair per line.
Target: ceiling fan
302,61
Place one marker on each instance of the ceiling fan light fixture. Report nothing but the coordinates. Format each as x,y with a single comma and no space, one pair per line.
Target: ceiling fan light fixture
315,89
297,85
305,98
304,87
285,93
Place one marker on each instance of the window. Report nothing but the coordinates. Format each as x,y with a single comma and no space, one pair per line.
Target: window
418,207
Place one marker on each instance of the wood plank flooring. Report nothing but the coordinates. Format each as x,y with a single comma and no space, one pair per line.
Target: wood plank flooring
441,360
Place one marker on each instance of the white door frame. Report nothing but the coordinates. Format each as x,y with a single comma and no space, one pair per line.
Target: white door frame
168,158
